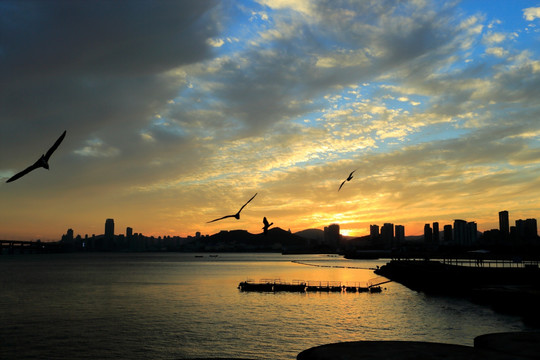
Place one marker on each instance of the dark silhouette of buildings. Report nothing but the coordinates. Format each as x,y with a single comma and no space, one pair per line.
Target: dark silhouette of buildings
109,229
462,236
332,236
400,235
436,237
374,231
504,224
387,235
428,235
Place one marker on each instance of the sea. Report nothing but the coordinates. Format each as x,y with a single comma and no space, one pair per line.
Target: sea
186,305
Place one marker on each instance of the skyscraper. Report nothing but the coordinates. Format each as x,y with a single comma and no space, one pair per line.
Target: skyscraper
460,232
400,234
331,235
109,228
504,224
428,234
387,235
374,231
447,235
436,235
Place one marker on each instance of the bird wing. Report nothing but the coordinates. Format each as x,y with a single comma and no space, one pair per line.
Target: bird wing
24,172
246,203
55,146
221,218
350,175
341,185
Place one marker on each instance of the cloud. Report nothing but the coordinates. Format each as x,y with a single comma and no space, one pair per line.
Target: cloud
531,13
93,69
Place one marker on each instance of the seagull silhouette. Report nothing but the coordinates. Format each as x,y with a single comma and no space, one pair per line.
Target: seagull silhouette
43,161
237,215
266,225
347,179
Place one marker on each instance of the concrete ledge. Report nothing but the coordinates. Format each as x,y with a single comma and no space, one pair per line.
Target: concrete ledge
399,350
524,344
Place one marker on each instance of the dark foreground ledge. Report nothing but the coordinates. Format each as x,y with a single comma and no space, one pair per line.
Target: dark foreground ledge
503,346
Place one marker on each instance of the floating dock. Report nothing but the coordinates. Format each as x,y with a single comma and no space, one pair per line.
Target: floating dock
276,285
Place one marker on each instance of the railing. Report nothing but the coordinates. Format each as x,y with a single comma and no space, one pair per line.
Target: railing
489,263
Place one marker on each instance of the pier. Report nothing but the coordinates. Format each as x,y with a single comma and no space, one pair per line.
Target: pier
276,285
11,247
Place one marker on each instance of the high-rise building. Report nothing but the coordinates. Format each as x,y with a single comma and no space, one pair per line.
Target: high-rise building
69,235
504,224
331,235
428,234
109,228
460,232
400,235
387,235
526,229
447,235
129,232
471,236
531,229
374,231
436,233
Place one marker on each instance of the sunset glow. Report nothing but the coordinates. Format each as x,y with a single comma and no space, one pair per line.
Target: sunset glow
176,114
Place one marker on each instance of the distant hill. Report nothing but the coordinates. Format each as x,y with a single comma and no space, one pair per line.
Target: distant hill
276,239
312,234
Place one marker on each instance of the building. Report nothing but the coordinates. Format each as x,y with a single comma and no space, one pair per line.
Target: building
526,229
460,232
331,235
436,237
400,235
109,228
374,231
504,224
471,236
447,234
428,234
129,232
387,235
69,235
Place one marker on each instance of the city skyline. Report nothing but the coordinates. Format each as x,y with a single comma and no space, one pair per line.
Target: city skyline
397,232
178,112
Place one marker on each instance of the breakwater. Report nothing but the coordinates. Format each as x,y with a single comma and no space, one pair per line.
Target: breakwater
513,290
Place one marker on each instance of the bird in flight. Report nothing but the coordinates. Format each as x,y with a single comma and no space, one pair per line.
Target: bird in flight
237,215
266,225
43,161
347,179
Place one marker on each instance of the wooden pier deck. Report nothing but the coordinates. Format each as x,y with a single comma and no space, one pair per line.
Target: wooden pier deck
276,285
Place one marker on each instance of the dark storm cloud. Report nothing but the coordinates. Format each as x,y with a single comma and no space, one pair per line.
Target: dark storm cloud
93,67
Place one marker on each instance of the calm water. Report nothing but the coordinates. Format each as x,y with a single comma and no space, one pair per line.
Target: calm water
176,306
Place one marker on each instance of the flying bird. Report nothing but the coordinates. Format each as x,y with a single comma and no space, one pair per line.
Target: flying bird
237,215
266,225
43,161
347,179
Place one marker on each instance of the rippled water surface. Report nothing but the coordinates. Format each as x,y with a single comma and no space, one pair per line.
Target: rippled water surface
176,306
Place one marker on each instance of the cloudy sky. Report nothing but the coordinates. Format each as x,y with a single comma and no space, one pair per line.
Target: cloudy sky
178,112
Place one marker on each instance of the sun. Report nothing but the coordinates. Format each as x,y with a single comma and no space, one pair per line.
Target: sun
345,232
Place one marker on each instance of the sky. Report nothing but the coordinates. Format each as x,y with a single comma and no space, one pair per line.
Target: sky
178,112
